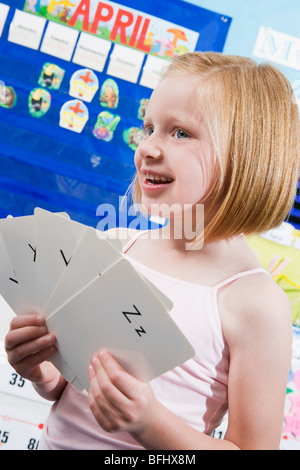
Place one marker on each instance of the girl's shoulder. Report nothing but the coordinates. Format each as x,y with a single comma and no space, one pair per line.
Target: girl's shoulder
254,302
254,305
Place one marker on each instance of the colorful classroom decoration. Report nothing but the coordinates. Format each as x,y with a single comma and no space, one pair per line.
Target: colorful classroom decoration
75,78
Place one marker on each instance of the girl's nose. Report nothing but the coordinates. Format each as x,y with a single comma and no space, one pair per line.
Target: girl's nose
150,148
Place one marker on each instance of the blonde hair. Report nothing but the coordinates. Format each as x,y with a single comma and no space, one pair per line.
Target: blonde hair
253,121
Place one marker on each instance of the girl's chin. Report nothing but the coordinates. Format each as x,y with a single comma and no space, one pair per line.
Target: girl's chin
162,209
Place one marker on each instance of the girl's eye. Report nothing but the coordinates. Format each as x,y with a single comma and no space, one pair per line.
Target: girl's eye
149,130
180,134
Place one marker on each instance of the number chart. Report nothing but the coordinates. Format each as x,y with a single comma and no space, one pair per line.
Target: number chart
22,411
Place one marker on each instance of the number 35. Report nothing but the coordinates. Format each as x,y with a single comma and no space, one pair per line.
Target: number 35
17,380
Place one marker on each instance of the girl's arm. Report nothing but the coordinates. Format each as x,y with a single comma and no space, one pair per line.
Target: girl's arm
259,334
259,338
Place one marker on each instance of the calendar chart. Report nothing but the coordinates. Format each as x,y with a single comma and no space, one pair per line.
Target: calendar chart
22,411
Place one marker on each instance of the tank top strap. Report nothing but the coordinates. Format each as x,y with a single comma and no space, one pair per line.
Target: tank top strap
239,275
132,240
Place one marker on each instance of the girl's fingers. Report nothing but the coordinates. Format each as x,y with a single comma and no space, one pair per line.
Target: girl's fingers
119,401
27,367
22,335
30,319
105,413
126,383
25,328
103,421
26,349
104,388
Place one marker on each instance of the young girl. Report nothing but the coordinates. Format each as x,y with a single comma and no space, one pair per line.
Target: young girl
224,132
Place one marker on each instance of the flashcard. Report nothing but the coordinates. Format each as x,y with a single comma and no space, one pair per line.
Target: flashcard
168,304
152,71
116,242
92,257
80,280
10,288
59,41
56,238
125,63
60,363
91,51
19,237
119,312
6,316
26,29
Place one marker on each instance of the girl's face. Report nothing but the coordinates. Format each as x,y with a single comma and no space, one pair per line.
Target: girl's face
174,162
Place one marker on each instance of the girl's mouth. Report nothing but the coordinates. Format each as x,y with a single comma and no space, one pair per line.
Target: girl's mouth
155,180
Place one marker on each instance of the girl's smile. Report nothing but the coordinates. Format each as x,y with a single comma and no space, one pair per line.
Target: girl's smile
155,182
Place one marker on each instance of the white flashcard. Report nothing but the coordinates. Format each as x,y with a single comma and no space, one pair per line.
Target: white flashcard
49,265
6,316
116,242
92,257
120,313
4,9
91,51
10,288
60,363
26,29
59,41
125,63
168,304
153,70
19,237
57,238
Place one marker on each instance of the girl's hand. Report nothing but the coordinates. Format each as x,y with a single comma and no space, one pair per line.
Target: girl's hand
28,345
118,401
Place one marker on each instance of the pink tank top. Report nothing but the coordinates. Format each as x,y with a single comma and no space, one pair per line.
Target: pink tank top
196,391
